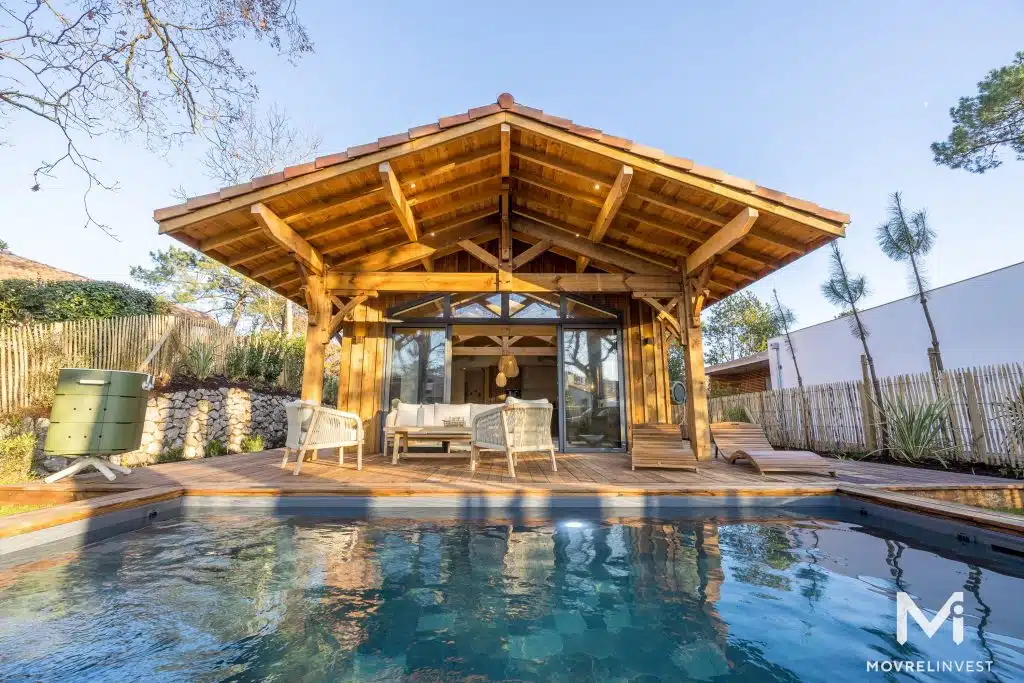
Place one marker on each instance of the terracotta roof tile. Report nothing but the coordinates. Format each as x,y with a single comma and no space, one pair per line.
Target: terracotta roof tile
331,159
453,120
299,169
479,112
264,180
681,163
592,133
617,142
169,212
360,150
235,190
507,103
420,131
392,140
202,200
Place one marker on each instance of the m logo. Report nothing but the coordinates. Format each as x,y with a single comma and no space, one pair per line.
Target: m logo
905,605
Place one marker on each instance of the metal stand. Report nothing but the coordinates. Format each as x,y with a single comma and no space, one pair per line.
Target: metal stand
104,467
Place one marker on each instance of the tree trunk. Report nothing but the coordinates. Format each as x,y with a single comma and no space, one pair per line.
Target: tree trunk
800,386
875,384
927,315
236,313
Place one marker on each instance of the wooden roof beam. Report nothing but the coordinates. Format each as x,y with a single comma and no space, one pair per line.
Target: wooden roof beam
486,257
723,240
396,198
286,238
533,252
505,242
539,227
503,281
409,253
616,195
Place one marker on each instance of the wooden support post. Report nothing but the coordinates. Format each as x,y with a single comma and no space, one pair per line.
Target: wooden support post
979,443
696,381
318,334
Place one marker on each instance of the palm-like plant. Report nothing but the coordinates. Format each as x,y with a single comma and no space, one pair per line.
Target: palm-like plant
1012,410
846,291
917,432
908,239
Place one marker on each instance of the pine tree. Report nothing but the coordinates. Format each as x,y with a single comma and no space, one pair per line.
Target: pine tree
846,290
908,239
783,317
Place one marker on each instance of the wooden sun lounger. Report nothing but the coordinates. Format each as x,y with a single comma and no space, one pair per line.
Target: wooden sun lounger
745,441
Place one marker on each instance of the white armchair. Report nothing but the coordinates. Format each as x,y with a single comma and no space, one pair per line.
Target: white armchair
518,427
312,426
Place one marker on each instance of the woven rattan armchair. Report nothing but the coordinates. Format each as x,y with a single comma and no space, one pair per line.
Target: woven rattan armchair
312,426
517,427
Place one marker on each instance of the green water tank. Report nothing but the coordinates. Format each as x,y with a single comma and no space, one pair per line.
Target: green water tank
97,412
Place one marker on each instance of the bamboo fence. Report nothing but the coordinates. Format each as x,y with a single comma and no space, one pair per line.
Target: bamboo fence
841,419
148,343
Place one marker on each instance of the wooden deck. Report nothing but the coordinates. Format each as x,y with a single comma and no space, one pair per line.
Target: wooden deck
261,473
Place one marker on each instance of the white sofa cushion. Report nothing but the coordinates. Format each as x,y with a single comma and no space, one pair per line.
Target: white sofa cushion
426,418
407,415
448,411
477,408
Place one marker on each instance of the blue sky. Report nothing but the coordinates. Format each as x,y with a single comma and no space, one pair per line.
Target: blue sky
832,102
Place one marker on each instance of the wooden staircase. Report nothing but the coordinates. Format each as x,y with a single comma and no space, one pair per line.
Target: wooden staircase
661,446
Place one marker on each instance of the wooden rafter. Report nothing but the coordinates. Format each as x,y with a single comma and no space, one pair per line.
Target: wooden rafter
726,236
344,310
396,198
505,244
541,227
286,238
428,263
616,195
498,351
533,252
481,254
408,253
666,313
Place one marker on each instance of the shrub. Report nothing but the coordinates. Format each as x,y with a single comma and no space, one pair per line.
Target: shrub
916,432
294,358
1012,412
255,351
16,451
252,443
234,363
330,397
273,362
23,301
172,454
736,414
214,448
199,359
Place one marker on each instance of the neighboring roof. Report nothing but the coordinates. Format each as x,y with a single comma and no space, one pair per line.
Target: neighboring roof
754,360
14,267
451,174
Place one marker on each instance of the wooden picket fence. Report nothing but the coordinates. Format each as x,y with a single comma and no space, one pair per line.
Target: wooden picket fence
27,352
841,419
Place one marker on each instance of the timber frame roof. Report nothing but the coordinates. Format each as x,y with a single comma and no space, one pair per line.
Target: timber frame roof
480,181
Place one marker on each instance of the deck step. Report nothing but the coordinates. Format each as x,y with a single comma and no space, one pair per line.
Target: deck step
660,446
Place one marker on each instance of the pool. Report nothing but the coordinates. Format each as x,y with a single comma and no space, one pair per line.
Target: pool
785,593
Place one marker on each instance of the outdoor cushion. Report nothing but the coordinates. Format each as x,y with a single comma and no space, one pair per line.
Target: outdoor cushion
477,408
512,400
407,414
427,416
447,411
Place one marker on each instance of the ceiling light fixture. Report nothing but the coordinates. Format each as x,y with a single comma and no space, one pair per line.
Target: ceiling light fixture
597,186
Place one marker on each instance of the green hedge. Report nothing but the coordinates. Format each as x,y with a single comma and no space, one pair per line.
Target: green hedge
23,301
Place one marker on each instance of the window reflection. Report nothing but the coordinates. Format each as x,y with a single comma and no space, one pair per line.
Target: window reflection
417,365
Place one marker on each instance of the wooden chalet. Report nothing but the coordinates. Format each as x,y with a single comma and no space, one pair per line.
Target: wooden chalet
506,231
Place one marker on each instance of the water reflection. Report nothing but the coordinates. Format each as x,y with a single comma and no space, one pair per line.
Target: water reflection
246,598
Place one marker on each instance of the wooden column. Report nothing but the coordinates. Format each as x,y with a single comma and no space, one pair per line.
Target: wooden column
318,305
696,381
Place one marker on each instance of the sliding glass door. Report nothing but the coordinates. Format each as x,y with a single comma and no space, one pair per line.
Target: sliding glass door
418,364
591,388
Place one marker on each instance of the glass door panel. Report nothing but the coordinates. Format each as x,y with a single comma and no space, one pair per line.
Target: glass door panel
418,360
591,388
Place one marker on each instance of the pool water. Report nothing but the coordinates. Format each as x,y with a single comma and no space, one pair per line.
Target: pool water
305,598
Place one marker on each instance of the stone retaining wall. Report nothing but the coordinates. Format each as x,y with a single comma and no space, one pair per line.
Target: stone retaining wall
189,421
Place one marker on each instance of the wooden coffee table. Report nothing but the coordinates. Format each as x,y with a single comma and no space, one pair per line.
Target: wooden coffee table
410,434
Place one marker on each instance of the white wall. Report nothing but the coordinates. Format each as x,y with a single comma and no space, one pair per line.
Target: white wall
979,321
